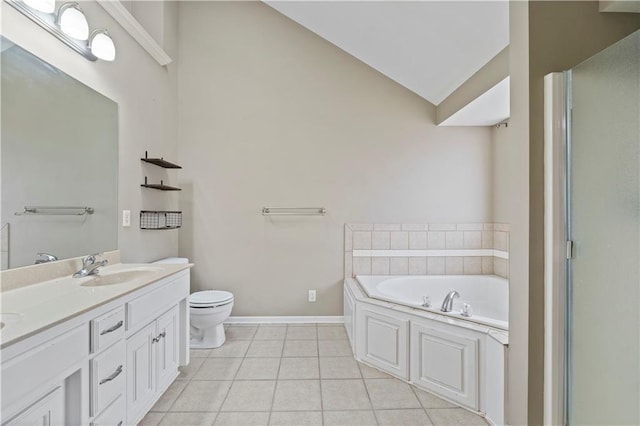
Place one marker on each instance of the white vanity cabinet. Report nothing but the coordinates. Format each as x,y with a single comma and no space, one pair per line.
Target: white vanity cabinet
105,366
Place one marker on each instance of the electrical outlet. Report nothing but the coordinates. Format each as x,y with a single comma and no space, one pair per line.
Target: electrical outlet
312,295
126,218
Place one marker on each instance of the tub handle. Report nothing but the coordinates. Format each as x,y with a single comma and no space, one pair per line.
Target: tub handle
426,301
466,310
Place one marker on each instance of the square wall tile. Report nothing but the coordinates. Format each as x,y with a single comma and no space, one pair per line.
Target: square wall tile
454,266
469,226
501,267
399,240
399,266
415,227
360,226
500,240
348,238
502,227
488,226
442,227
348,264
387,227
417,240
455,240
435,266
361,240
487,265
380,240
436,240
417,266
472,239
361,266
379,266
472,265
487,239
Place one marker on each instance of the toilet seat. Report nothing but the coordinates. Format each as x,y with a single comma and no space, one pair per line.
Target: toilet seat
210,299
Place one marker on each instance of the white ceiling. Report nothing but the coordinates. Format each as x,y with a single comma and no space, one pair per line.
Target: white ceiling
492,107
430,47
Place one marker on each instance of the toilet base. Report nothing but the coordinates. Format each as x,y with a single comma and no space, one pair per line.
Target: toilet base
207,339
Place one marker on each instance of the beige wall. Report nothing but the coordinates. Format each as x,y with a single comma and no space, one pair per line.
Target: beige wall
146,96
271,114
511,205
561,35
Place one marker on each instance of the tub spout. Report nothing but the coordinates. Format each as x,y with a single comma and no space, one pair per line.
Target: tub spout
447,304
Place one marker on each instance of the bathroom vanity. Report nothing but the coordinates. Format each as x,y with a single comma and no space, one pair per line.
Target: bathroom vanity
98,350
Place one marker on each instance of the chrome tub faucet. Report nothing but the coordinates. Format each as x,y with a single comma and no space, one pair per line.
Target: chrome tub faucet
44,258
447,304
90,266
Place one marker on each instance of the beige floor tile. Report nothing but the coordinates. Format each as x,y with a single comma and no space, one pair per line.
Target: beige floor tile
270,332
334,332
334,348
391,393
295,332
242,419
412,417
429,400
151,419
250,395
201,396
372,373
231,349
300,348
344,395
188,419
240,332
265,349
297,395
299,368
296,418
349,418
259,369
170,396
218,369
187,372
199,353
339,368
454,417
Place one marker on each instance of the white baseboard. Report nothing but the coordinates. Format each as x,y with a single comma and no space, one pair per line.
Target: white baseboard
286,320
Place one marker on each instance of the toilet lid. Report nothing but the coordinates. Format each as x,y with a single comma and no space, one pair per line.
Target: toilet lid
210,297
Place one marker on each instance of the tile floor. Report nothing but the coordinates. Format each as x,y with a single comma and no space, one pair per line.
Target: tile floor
294,375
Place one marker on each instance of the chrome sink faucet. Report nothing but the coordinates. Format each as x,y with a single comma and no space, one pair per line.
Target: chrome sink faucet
45,257
90,266
447,304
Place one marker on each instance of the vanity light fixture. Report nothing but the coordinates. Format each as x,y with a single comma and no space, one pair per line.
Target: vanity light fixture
101,45
72,21
44,6
70,26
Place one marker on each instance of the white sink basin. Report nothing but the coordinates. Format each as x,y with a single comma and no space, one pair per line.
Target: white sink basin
119,277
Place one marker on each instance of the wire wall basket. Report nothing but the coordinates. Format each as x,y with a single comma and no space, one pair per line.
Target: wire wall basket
153,219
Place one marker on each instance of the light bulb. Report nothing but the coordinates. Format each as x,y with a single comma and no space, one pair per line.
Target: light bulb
73,22
101,45
45,6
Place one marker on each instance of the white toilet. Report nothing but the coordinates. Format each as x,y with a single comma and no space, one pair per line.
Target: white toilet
207,312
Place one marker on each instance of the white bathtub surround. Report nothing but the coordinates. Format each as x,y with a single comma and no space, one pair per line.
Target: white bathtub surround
427,249
460,360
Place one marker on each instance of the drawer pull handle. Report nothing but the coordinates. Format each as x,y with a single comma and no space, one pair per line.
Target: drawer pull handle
158,337
120,423
113,376
114,328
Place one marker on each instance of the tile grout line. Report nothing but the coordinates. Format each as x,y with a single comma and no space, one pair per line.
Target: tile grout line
319,376
273,397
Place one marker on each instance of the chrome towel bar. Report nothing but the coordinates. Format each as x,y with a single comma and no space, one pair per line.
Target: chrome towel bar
55,211
294,211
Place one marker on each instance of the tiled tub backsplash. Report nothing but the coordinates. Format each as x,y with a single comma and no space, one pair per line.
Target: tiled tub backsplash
426,249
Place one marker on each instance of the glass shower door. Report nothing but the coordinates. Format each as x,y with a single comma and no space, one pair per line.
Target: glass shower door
604,224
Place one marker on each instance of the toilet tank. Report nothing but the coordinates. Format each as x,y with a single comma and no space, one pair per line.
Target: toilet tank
180,260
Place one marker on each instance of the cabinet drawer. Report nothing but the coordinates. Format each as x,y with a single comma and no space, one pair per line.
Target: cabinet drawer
113,415
107,377
148,307
107,329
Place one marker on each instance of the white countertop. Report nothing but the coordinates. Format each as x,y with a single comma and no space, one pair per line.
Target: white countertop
31,309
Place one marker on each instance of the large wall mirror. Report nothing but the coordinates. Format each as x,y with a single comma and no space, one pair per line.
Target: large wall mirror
59,151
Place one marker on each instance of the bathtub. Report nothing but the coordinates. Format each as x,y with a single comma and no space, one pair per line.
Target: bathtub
487,295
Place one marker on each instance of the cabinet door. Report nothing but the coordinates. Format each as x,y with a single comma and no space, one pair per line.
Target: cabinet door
445,362
382,340
140,370
49,411
167,348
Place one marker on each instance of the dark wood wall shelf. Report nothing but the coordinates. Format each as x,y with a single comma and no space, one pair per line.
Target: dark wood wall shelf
161,162
161,186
